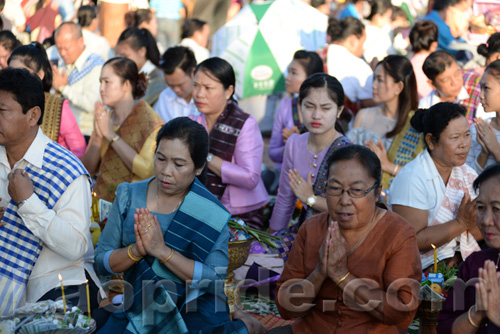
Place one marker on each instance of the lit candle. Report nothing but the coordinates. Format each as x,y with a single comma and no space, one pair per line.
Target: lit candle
88,299
95,207
62,289
435,259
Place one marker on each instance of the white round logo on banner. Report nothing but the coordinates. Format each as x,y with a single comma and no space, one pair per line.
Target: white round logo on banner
261,72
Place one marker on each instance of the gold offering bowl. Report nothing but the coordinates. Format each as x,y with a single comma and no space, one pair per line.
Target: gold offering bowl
238,253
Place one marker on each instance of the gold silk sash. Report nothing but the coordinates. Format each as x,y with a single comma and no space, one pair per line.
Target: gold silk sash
134,131
51,123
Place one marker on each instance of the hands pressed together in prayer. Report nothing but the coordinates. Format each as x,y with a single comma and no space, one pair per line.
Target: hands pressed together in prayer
148,235
103,123
488,293
333,255
59,79
466,215
487,138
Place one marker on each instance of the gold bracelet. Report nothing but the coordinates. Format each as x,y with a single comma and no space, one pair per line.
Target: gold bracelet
470,318
168,258
343,278
395,170
115,138
131,256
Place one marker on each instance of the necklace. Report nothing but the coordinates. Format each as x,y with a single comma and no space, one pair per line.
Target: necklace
496,266
158,200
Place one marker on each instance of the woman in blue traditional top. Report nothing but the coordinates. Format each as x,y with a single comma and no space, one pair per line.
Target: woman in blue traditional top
169,236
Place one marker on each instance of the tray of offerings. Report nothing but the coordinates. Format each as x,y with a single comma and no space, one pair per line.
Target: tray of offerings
46,317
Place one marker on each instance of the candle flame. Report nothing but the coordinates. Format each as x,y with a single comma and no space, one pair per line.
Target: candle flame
433,246
60,277
87,281
94,194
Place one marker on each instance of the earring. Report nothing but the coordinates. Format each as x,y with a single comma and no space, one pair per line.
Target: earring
396,93
197,174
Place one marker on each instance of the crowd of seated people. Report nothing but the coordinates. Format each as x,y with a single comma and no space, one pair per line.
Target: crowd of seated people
383,152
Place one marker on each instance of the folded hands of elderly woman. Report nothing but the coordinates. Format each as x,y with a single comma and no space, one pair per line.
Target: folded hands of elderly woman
488,293
333,255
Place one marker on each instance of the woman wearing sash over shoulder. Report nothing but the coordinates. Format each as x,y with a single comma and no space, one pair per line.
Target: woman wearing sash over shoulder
304,176
385,129
122,144
168,235
236,145
59,122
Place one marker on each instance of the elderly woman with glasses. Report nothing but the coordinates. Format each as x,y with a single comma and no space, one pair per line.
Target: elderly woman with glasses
364,276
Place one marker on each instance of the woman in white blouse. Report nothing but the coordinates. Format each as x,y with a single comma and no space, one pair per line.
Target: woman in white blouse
434,192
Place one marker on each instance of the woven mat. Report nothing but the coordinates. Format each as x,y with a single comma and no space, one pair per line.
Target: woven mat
271,320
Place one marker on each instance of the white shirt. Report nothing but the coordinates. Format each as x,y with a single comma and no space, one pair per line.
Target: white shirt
147,68
170,106
200,53
378,43
475,149
354,73
433,98
13,16
64,230
419,185
97,44
83,94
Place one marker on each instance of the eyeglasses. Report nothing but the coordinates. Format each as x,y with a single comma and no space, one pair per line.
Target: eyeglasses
352,192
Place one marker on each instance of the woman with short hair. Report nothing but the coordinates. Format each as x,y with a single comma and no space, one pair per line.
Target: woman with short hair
334,258
236,144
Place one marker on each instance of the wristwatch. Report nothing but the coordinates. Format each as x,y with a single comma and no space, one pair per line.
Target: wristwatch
210,157
311,200
20,204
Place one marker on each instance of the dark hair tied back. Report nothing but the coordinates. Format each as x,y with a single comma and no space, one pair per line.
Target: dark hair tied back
141,38
436,119
127,70
333,87
340,30
491,46
363,155
220,70
34,57
193,135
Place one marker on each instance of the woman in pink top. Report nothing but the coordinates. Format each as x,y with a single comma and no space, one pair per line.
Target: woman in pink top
423,40
321,101
236,145
59,123
288,119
